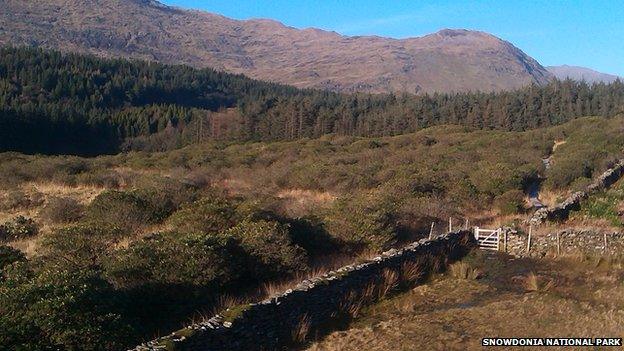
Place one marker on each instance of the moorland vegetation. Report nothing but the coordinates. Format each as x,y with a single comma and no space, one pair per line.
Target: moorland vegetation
104,251
166,236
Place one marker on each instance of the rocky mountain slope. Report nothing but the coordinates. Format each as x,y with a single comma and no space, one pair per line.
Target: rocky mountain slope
449,60
581,73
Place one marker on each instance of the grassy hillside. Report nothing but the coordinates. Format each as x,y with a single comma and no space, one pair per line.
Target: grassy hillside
140,242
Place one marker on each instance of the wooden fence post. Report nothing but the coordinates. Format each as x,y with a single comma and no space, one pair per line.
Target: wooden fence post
466,224
431,231
606,247
450,224
505,241
558,243
529,240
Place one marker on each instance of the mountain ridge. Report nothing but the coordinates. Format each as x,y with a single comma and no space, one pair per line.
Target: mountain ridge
581,74
447,61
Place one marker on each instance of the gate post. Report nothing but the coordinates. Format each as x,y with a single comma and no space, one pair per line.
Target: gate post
505,242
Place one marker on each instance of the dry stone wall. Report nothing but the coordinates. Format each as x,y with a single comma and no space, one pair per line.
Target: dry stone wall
315,305
570,241
561,211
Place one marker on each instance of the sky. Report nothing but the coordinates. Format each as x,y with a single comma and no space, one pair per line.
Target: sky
574,32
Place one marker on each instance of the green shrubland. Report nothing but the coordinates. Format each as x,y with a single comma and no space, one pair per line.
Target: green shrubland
166,234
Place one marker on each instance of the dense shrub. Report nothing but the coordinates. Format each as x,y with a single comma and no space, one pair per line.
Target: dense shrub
60,310
62,210
207,215
167,190
270,247
130,209
415,214
365,221
9,255
566,171
310,234
511,202
81,246
494,178
171,258
18,228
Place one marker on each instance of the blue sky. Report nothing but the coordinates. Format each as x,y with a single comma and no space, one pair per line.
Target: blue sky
576,32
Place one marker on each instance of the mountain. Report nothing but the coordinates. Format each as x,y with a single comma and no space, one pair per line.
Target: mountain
581,73
449,60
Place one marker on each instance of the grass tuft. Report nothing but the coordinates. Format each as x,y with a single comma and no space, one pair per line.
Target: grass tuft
533,282
463,270
389,282
300,333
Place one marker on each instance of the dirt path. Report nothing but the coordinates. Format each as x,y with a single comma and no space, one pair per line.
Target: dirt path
533,191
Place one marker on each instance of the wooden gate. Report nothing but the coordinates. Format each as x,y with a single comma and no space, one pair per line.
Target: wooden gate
488,239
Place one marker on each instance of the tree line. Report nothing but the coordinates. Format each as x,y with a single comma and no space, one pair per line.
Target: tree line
58,103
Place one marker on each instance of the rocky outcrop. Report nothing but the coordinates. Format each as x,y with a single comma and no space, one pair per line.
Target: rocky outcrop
561,211
314,305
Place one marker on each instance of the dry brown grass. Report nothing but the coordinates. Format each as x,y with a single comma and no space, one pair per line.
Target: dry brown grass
6,216
606,263
491,219
307,196
454,314
298,202
274,288
351,304
301,330
222,304
557,144
551,197
463,270
234,185
82,193
577,220
28,246
412,272
153,228
365,256
389,283
533,282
